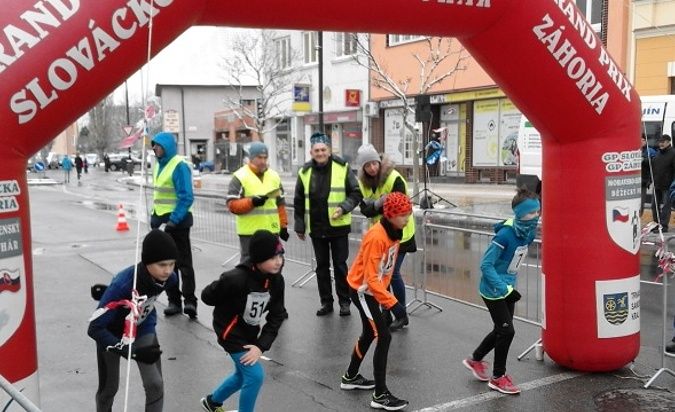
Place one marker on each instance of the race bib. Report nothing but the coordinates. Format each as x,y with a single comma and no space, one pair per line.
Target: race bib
517,260
256,303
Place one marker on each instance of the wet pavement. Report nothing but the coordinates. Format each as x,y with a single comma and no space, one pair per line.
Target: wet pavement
75,245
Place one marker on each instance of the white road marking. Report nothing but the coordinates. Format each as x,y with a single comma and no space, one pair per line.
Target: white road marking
488,396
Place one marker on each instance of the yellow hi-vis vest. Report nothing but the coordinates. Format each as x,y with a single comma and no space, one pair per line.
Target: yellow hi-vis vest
261,217
337,194
164,193
386,188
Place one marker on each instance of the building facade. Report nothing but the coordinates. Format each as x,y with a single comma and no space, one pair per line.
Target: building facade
476,122
652,47
188,112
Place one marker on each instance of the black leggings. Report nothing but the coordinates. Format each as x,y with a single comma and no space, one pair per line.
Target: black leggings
374,326
501,336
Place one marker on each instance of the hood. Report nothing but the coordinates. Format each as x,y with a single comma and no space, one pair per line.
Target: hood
168,143
503,223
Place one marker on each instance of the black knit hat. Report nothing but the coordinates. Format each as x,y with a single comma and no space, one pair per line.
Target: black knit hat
158,246
264,245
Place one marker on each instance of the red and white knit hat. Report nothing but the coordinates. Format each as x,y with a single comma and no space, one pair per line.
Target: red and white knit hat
397,204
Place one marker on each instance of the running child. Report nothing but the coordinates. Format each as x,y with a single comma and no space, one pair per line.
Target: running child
369,279
242,296
155,273
499,268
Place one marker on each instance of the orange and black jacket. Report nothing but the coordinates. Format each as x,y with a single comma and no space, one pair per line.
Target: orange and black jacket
373,266
242,296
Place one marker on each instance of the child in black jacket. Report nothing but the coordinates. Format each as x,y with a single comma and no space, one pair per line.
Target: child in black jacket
241,298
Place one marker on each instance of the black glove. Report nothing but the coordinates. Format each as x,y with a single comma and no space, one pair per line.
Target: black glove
283,234
514,296
169,227
122,350
97,291
259,200
146,354
386,314
399,311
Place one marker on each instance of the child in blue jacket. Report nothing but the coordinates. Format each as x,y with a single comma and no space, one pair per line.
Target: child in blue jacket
499,268
155,273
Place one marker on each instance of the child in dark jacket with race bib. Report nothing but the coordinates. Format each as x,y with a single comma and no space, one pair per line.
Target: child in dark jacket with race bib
242,297
499,268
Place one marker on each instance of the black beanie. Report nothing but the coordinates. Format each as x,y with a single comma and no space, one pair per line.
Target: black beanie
158,246
264,245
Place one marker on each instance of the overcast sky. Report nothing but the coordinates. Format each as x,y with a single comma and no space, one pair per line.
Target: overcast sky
193,58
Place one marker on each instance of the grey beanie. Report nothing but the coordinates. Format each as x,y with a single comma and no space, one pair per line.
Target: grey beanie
365,154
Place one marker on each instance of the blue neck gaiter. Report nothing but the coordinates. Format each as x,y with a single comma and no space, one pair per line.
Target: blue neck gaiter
526,228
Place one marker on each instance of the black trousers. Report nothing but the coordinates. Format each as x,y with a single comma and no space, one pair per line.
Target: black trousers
373,325
501,336
661,200
184,265
338,247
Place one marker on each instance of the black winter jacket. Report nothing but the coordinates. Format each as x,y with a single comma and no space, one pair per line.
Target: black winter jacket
663,165
319,187
241,297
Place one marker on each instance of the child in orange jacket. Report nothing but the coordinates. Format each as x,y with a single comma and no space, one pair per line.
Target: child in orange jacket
369,279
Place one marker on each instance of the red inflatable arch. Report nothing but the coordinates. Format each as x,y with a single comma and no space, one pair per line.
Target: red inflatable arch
59,57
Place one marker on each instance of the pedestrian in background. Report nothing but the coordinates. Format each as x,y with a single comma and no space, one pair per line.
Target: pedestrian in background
106,162
325,194
369,279
499,268
663,166
242,296
85,164
67,166
378,178
79,165
648,153
172,207
154,274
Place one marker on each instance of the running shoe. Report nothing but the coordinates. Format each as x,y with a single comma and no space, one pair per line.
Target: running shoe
210,406
388,402
357,382
478,368
504,384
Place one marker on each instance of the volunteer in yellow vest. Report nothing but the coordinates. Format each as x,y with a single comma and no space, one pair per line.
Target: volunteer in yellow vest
256,197
325,194
172,207
378,178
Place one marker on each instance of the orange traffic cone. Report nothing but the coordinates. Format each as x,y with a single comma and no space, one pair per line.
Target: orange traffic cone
122,225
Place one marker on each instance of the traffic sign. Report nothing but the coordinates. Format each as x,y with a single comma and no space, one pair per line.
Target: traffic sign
128,130
39,166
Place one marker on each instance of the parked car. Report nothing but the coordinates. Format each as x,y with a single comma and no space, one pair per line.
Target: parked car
118,161
54,160
92,159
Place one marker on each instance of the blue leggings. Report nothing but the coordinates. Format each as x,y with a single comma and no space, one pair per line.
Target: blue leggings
247,378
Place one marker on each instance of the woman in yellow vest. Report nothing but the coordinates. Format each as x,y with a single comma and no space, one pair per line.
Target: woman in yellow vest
325,194
377,178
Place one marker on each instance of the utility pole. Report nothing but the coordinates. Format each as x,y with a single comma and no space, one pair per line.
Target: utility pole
319,46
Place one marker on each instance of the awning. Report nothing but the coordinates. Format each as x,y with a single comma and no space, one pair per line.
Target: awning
129,140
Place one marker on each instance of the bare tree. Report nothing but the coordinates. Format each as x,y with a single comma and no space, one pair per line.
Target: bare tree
436,63
262,61
100,125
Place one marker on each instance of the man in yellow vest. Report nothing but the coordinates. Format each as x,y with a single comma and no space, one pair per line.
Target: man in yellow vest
325,194
256,196
172,207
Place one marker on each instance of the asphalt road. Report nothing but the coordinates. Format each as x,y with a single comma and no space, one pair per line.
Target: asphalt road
75,245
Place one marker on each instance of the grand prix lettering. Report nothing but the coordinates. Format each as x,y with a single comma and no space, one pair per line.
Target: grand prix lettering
63,72
575,66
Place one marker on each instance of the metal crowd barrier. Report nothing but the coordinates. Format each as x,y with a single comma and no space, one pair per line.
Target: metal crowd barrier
16,395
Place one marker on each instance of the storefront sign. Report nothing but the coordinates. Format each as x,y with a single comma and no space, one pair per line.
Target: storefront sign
352,98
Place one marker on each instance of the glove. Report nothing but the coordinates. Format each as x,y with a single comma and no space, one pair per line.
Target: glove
514,296
399,311
386,314
97,291
283,234
122,350
379,202
169,227
146,354
259,200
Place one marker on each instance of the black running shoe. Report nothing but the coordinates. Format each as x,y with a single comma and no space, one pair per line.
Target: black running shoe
357,382
388,402
210,406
